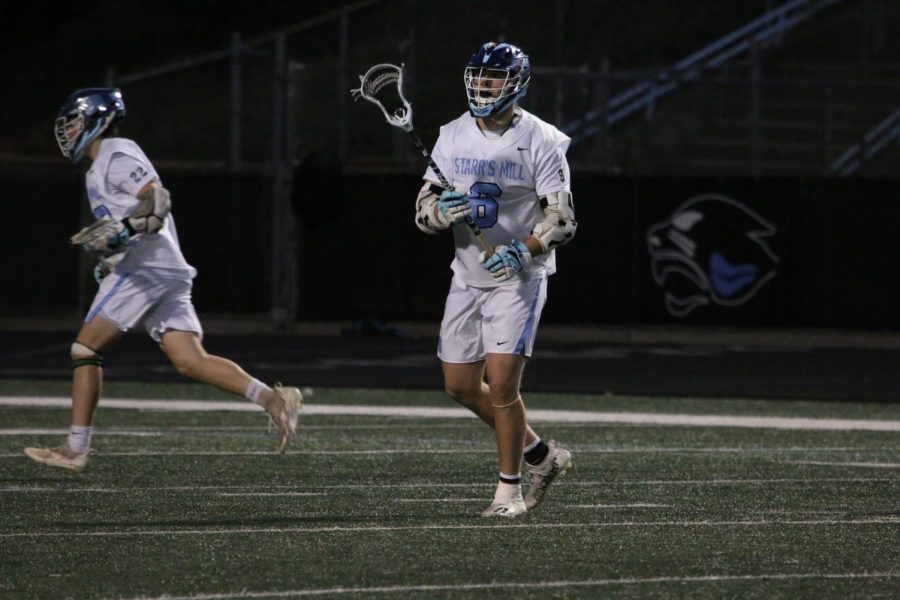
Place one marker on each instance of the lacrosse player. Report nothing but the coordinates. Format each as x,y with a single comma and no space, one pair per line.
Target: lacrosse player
143,276
510,175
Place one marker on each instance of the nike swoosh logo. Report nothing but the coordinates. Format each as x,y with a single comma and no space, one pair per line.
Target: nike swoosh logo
501,343
520,148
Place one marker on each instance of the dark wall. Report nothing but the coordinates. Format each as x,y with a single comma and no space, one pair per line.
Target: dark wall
814,253
38,212
834,241
224,226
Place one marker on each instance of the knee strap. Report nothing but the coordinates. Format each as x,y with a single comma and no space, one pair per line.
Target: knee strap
83,356
518,399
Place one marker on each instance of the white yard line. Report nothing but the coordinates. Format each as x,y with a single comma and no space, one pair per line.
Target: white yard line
389,528
372,452
18,489
438,500
537,415
870,465
271,494
533,585
9,431
486,449
456,446
637,505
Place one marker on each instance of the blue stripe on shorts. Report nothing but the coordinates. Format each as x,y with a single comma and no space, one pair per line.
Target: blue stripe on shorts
106,298
529,324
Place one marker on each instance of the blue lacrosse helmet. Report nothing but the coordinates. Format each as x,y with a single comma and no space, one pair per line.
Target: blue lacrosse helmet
496,76
85,115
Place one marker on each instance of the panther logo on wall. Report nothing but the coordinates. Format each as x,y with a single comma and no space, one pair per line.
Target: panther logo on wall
712,249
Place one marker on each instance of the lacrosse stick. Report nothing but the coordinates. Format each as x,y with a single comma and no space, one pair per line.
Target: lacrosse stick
382,85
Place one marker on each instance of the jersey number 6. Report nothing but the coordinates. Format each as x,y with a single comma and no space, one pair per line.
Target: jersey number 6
483,198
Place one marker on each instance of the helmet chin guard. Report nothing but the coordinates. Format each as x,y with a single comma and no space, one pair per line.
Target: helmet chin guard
496,77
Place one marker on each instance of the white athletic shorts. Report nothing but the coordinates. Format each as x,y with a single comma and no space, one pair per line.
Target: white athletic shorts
160,304
496,320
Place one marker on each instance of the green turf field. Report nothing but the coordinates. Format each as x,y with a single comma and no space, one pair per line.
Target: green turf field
196,505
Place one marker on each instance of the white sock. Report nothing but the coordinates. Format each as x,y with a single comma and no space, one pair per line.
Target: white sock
508,492
80,438
255,388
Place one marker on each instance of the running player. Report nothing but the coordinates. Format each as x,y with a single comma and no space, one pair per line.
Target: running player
145,278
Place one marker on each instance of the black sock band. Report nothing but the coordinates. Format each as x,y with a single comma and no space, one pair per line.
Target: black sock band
537,454
510,480
95,361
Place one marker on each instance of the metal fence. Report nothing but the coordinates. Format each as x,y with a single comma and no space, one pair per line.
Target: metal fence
731,107
273,104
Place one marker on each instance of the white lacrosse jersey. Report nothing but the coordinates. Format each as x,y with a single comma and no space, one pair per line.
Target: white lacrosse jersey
509,174
117,174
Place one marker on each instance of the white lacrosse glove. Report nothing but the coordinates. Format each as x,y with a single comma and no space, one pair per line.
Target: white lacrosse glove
454,206
507,260
104,237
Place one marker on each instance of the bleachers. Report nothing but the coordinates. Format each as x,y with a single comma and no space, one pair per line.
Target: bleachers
791,109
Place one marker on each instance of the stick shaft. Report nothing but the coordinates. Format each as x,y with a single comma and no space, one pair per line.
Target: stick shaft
418,142
473,226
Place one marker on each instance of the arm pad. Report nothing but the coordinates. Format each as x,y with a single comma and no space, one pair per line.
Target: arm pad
428,217
559,225
150,214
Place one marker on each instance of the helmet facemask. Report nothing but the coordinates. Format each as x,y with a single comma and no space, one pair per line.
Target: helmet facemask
492,91
68,130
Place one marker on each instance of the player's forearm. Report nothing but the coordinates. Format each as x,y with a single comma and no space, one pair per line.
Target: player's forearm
534,245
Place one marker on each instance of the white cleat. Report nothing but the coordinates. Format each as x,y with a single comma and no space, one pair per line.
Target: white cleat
283,413
61,456
507,510
544,473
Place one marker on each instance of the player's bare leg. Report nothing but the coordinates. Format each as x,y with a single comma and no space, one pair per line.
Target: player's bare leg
191,359
504,372
464,383
87,379
498,404
87,382
546,461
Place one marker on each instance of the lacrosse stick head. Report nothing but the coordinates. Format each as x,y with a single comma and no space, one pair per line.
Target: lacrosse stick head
382,85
